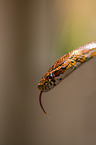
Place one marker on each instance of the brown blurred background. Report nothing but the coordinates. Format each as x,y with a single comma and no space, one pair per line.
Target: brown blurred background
34,34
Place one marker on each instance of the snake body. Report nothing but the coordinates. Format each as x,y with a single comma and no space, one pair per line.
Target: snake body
65,66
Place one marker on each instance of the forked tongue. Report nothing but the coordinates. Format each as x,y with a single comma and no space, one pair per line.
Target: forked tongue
41,102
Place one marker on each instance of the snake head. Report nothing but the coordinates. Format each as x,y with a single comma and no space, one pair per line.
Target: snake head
47,82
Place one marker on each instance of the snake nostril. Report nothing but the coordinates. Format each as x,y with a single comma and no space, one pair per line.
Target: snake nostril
40,87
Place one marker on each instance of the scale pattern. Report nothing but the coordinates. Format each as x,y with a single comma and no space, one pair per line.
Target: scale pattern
65,66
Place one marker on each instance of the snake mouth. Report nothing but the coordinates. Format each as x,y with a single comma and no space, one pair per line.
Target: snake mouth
41,102
40,87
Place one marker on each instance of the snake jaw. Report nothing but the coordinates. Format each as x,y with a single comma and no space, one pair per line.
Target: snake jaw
41,102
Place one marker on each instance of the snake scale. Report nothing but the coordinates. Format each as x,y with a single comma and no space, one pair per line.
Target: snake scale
65,66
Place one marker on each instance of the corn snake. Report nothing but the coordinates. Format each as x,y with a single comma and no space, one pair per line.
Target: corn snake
64,66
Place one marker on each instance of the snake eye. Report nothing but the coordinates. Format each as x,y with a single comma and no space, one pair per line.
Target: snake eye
49,76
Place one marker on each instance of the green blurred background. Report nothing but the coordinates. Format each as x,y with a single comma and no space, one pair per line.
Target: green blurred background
33,35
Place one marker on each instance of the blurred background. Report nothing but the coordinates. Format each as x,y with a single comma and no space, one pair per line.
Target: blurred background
33,35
